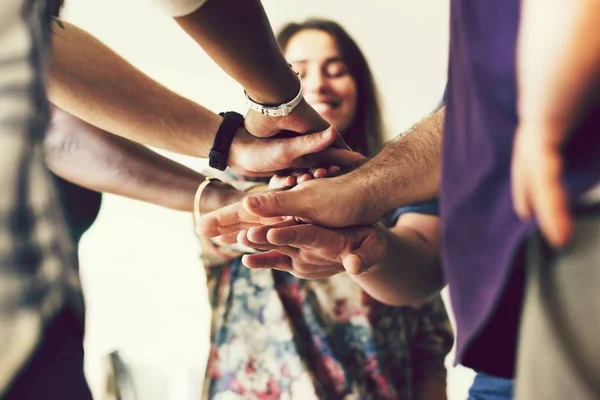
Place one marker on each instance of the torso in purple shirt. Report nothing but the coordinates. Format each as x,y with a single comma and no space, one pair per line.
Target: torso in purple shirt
482,235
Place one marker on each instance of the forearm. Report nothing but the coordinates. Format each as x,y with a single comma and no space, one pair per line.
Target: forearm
406,171
409,273
95,84
558,61
98,160
238,36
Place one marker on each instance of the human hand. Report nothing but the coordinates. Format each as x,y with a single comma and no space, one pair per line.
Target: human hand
303,119
333,202
252,156
298,177
313,252
537,184
227,219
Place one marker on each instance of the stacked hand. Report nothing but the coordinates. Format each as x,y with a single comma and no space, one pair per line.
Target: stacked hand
302,139
305,250
312,252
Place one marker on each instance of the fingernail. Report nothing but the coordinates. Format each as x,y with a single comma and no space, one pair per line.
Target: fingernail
326,134
254,202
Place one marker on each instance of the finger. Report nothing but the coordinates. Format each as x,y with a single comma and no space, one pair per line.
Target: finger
282,203
287,150
212,229
319,173
230,219
242,238
302,236
519,188
304,178
318,273
228,239
269,259
213,223
340,142
332,155
258,234
280,182
333,170
550,202
367,256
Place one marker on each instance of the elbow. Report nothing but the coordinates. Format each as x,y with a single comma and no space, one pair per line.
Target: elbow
58,142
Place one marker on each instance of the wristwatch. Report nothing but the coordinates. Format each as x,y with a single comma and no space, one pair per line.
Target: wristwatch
280,110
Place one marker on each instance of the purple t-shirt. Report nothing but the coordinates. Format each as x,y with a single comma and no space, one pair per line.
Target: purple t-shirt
482,235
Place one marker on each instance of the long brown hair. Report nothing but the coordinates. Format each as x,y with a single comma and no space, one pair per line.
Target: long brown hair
365,133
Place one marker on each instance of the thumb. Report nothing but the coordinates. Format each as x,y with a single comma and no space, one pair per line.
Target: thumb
333,156
367,257
302,145
276,204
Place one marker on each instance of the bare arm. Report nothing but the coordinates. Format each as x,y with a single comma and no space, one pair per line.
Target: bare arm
558,60
93,83
558,79
410,272
407,170
98,160
237,35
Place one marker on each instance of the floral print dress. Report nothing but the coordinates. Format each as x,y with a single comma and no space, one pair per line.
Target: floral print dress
274,336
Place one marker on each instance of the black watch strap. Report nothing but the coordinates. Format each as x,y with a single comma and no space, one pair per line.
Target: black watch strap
219,154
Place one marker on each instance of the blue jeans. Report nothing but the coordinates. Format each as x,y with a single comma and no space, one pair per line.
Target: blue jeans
487,387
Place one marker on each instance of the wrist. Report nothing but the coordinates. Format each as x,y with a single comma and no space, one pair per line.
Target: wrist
368,203
241,141
217,195
283,88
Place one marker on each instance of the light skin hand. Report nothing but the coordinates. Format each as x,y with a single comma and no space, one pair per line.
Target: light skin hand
397,266
302,120
298,177
558,71
406,171
312,252
253,156
537,183
227,222
315,201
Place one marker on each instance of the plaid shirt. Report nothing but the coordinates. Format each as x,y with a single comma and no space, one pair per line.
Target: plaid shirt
38,274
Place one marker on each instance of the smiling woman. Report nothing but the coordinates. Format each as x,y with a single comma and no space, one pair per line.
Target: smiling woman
336,80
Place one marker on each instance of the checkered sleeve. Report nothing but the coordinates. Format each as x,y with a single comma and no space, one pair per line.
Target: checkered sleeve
36,255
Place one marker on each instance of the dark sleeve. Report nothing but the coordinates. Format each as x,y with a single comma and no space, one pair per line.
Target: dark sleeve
430,207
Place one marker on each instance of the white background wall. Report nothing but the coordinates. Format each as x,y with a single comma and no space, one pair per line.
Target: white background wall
143,281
